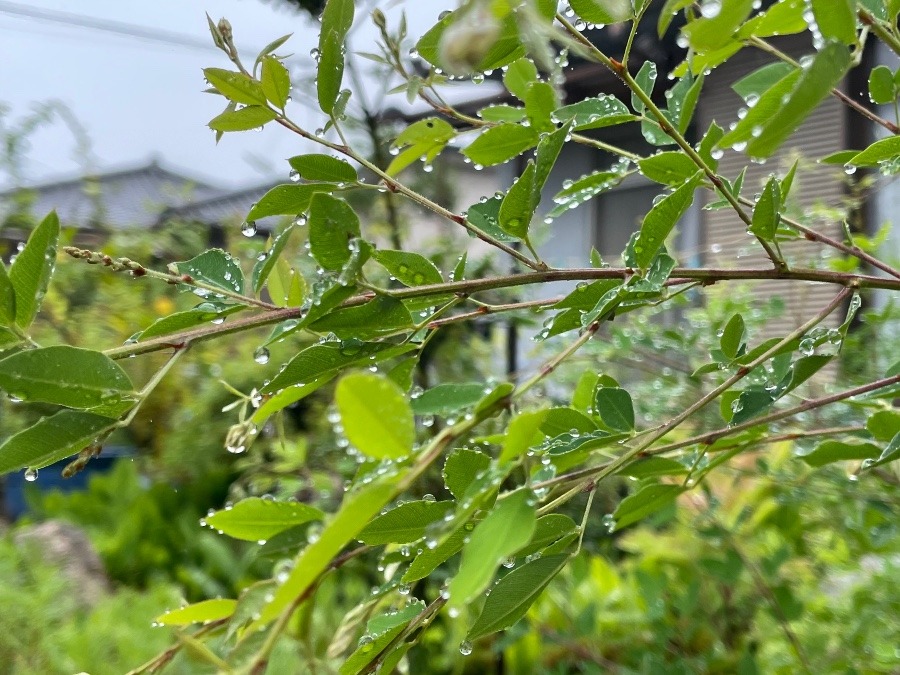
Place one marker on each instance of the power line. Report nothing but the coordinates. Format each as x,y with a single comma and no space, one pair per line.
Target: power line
106,25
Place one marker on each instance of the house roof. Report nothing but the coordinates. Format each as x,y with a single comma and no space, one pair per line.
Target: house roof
125,198
221,208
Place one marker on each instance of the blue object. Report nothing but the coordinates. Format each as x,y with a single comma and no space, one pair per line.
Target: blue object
50,478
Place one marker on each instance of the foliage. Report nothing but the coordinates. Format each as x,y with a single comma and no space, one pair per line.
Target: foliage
524,461
45,631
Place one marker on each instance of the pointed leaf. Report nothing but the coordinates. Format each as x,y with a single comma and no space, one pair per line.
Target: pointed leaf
668,168
504,531
511,597
254,518
836,19
336,21
199,612
522,433
63,375
448,399
660,221
644,502
880,151
601,111
52,438
615,408
411,269
7,298
324,167
216,268
30,273
500,144
276,81
236,87
405,523
383,315
287,200
245,119
332,224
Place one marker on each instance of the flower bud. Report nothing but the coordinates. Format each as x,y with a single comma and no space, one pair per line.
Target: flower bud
467,40
225,29
379,19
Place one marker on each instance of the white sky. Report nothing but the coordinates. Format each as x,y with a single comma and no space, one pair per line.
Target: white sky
140,99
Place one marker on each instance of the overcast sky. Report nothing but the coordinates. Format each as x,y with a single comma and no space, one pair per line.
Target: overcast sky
140,99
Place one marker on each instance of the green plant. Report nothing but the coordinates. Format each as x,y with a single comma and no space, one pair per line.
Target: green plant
514,465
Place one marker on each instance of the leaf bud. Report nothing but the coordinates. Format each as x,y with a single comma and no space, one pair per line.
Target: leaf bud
468,40
379,19
225,29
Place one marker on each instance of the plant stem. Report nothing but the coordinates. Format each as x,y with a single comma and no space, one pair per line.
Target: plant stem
420,199
852,250
883,32
465,287
137,270
621,70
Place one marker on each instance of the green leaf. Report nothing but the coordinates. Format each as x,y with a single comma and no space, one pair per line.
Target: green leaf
668,12
517,208
411,269
506,529
461,468
710,33
336,21
645,79
881,85
511,597
545,157
63,375
548,530
357,509
272,46
561,420
880,151
653,467
668,168
733,336
276,81
201,314
254,518
377,418
485,216
30,273
404,524
766,108
615,408
199,612
287,200
584,189
236,87
540,102
287,396
448,399
836,19
594,113
783,18
382,315
52,438
287,287
502,113
751,87
522,433
425,138
245,119
216,268
7,298
766,212
644,502
323,167
519,76
430,558
660,221
263,268
883,425
815,83
332,224
829,452
506,48
603,11
890,453
329,357
500,144
368,650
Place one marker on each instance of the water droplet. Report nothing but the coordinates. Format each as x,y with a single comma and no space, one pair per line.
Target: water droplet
465,648
294,176
248,229
31,475
261,355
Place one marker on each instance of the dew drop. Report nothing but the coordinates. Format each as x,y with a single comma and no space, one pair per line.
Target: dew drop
261,355
465,648
31,475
